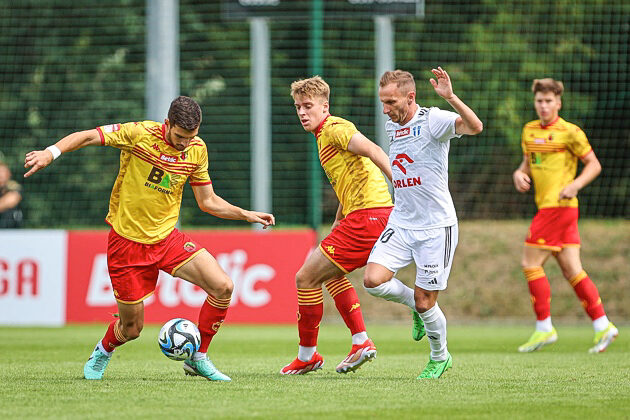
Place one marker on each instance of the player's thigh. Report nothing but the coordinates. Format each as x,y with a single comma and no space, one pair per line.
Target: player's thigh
534,257
390,253
569,261
204,271
316,270
131,318
433,253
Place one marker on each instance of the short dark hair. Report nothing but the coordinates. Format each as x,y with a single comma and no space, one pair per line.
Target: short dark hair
185,112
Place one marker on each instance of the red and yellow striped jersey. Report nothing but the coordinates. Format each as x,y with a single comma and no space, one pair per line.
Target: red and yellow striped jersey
357,181
553,151
146,197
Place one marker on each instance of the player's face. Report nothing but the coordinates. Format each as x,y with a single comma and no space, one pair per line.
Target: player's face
547,105
396,103
311,111
179,137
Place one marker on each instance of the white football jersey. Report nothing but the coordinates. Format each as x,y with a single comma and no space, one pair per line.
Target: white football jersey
418,153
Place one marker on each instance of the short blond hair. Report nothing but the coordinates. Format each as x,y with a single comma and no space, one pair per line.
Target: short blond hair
548,85
313,87
403,79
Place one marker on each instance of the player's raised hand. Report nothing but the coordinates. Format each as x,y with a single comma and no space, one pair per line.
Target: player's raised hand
442,85
522,182
36,160
265,219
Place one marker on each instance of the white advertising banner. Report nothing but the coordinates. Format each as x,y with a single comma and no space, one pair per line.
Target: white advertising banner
33,277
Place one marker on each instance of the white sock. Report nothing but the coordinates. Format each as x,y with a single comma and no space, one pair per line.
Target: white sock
601,323
306,353
544,325
197,356
435,325
359,338
101,348
395,291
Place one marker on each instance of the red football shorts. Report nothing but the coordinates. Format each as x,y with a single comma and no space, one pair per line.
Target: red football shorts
349,245
133,266
554,228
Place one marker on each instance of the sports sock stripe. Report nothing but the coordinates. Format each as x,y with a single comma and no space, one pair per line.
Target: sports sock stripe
337,286
218,303
310,296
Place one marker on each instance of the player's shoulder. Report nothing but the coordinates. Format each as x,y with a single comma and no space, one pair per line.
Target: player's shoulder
532,125
569,126
337,122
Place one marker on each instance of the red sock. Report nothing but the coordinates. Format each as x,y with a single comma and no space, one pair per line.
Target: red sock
587,292
347,302
539,290
113,337
310,312
211,317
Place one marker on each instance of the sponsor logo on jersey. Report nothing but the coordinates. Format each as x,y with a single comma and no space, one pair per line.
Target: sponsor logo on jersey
402,132
407,182
111,128
167,158
401,159
159,180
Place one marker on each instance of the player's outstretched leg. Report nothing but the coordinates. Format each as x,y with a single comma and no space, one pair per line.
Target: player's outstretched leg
94,368
204,368
603,339
435,368
418,331
359,354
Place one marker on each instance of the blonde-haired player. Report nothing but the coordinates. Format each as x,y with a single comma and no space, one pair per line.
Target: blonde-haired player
551,149
353,165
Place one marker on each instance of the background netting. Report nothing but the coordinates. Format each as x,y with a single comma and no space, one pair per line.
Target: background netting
68,66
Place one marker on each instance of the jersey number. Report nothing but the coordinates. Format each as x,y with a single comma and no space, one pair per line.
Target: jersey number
387,235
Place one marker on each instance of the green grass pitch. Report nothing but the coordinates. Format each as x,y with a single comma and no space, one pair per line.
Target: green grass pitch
41,376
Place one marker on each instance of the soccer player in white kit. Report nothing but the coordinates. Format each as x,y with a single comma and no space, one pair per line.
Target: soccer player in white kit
423,225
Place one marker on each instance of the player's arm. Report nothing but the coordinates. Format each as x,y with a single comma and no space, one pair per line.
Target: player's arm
211,203
10,200
522,176
591,170
39,159
468,122
361,145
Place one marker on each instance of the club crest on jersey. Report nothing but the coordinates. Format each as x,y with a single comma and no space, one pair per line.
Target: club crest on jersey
190,246
167,158
402,132
400,159
111,128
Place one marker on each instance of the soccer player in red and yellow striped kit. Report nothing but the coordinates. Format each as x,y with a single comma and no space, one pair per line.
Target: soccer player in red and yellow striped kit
155,162
551,148
353,165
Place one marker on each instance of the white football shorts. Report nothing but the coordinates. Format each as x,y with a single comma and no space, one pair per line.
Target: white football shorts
431,249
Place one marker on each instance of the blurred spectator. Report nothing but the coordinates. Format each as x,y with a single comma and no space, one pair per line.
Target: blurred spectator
10,197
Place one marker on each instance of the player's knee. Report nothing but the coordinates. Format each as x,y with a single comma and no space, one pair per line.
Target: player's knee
370,280
423,303
224,289
304,281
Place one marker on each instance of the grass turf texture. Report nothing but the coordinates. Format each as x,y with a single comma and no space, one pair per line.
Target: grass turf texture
41,376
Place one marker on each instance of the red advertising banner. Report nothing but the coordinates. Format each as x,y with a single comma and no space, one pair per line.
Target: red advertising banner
262,266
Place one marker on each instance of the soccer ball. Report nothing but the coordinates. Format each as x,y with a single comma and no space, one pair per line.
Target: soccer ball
179,339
